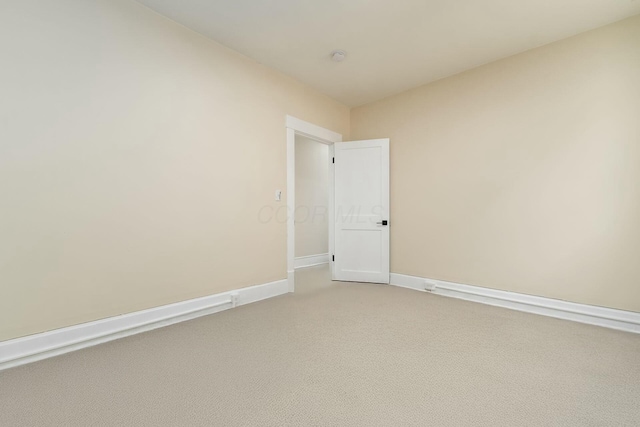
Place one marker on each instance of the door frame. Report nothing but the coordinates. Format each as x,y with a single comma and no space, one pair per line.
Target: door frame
295,126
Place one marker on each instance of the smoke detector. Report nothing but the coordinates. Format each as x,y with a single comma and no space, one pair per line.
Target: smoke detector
338,55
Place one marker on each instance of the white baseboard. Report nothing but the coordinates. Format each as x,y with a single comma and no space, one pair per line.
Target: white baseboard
31,348
610,318
310,260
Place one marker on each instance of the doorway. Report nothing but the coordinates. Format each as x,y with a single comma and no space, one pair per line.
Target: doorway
357,205
311,215
308,133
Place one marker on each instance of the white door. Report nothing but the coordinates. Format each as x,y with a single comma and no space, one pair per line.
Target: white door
361,245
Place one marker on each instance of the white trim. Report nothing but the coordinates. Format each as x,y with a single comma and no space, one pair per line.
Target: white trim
312,131
291,205
311,260
607,317
295,127
291,278
40,346
409,282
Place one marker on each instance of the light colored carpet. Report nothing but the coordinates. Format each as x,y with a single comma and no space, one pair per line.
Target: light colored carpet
341,355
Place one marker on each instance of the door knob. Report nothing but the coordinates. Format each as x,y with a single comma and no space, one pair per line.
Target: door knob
383,222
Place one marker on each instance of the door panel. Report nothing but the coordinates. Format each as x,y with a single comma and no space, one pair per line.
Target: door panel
361,246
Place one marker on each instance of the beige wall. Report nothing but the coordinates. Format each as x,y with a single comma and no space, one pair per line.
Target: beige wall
523,174
312,198
135,156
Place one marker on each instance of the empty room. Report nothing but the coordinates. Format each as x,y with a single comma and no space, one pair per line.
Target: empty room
319,213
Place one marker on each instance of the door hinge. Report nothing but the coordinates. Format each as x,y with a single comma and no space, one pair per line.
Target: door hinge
334,160
333,258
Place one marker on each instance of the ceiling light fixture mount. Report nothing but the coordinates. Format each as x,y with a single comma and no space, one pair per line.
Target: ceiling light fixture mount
338,55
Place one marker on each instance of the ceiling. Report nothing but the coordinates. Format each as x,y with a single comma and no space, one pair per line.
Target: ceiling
391,45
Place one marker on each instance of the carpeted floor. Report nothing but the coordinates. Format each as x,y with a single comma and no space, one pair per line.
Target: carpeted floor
338,354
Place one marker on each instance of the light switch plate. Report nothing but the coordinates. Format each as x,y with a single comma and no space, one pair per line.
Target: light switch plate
278,195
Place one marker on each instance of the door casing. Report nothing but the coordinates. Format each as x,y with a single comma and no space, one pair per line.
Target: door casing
295,127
